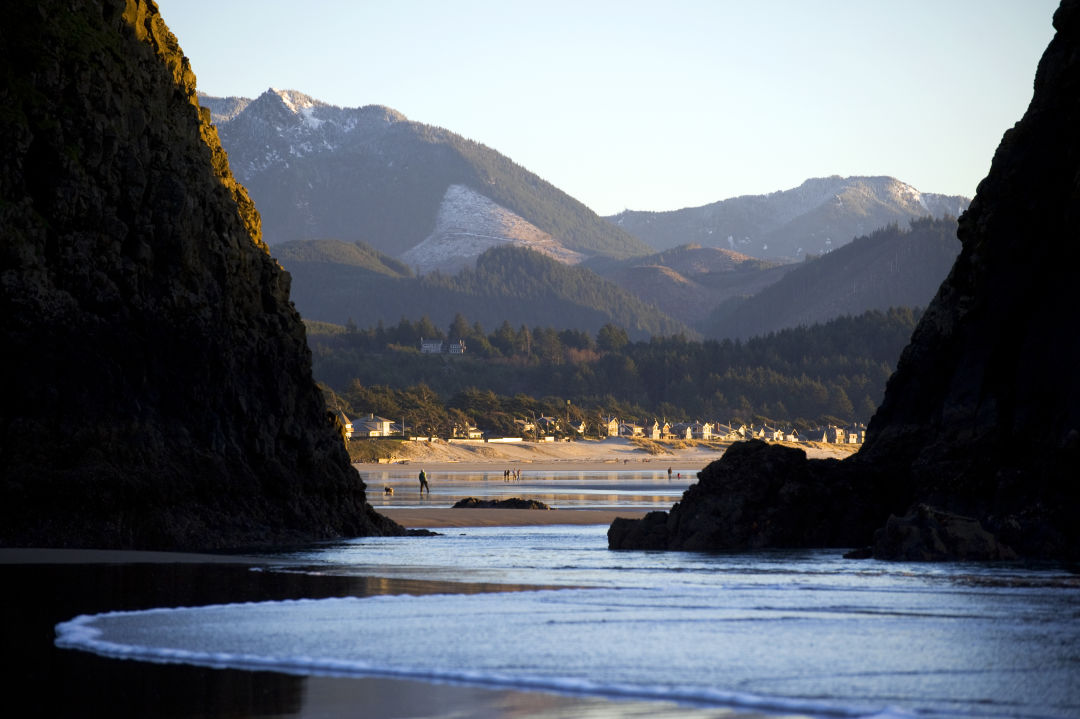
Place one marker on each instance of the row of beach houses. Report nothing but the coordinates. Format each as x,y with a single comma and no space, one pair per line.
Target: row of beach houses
545,428
853,434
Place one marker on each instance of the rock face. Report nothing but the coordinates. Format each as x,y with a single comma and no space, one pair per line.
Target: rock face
509,503
159,389
927,534
760,495
982,417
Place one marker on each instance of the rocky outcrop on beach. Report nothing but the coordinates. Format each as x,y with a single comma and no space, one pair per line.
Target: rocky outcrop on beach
159,390
509,503
981,420
759,495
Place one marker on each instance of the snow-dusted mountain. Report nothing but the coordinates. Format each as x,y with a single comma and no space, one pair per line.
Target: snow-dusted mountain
223,109
816,217
369,174
280,127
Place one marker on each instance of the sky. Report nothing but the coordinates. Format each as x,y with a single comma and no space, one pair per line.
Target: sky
656,105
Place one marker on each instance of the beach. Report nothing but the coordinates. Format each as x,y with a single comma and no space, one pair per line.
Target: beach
609,454
453,627
428,518
45,586
449,626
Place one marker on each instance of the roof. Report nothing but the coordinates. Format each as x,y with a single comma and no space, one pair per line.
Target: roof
371,419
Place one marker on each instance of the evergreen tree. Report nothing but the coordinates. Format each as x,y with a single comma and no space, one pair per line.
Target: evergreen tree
611,338
426,329
459,328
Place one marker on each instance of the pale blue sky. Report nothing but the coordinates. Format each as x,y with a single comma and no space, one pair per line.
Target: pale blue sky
656,105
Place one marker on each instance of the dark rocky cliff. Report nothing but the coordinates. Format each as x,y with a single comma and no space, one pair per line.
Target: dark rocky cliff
158,388
982,417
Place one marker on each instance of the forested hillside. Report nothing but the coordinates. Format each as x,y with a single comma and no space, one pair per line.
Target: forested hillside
891,267
688,282
337,282
835,372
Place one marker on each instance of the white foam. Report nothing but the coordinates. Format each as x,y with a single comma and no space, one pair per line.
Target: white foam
778,632
86,633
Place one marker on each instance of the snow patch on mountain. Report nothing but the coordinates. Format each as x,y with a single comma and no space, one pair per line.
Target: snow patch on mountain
815,217
295,101
468,224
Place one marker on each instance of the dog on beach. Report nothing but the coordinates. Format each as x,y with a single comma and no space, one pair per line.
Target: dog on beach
388,491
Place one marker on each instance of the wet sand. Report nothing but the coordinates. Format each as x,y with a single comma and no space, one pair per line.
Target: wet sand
45,586
429,518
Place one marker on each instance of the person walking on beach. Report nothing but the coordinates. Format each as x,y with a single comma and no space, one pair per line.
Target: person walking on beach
669,472
424,484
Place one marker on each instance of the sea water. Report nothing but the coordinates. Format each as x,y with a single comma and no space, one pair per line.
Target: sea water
646,487
795,632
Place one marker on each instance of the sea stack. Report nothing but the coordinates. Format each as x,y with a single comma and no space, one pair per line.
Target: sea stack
981,420
159,390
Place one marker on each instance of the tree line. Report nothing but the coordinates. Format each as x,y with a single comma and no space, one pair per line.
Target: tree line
829,373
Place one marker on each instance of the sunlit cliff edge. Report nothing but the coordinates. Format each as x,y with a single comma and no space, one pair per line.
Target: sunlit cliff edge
158,385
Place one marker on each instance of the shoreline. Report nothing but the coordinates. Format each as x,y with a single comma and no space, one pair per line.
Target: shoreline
56,585
409,517
609,455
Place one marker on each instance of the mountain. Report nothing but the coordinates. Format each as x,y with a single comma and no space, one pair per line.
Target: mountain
690,281
158,385
891,267
223,109
974,450
370,174
816,217
335,281
468,224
